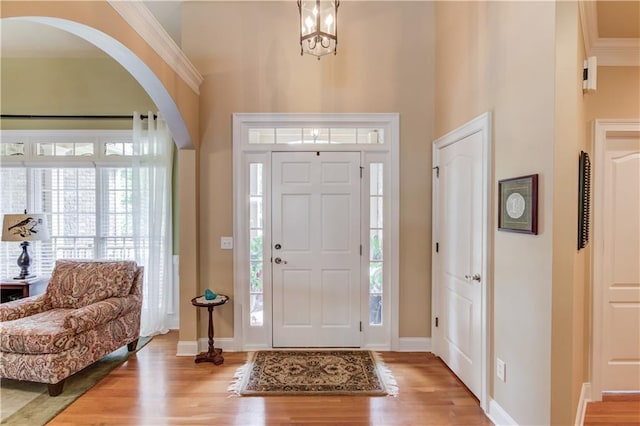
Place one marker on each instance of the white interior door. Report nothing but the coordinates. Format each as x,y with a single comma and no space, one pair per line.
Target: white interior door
316,249
458,261
621,265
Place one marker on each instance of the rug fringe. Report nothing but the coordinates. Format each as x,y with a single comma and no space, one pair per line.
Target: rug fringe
386,375
240,376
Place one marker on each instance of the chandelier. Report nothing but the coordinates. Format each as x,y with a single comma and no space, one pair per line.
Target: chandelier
318,27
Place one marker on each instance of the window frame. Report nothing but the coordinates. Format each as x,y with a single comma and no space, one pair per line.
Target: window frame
99,161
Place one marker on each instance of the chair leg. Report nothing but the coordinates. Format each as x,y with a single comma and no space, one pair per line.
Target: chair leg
132,346
55,389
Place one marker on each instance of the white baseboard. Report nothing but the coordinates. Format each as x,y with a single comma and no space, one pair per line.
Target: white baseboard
414,344
499,416
193,347
173,322
187,348
173,316
227,344
376,348
585,398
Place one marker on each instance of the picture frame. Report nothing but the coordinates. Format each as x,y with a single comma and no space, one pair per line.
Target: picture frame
518,204
584,199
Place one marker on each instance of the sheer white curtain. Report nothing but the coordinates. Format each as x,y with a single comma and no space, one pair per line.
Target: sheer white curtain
151,180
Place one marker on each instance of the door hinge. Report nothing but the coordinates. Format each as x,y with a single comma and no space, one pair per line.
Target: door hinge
437,247
437,169
360,326
436,321
360,249
361,169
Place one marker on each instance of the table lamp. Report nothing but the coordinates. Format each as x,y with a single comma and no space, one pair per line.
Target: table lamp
24,227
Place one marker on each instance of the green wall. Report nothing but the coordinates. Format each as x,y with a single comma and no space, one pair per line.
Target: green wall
73,86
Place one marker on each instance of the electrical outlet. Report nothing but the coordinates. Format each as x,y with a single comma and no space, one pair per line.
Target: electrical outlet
226,243
501,370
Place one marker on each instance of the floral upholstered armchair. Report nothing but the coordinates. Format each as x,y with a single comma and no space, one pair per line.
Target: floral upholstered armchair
90,309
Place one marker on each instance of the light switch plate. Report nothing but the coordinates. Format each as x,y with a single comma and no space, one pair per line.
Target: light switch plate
226,243
501,369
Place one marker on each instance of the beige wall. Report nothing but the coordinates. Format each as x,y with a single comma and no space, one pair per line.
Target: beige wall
617,97
69,86
618,94
569,287
523,62
250,57
500,57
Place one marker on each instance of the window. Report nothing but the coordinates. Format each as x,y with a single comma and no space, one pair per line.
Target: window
376,259
256,228
82,181
297,135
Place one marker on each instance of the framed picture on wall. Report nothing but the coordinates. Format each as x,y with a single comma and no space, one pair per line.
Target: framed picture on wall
584,199
518,208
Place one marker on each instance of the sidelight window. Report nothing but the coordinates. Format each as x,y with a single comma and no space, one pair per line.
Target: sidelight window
256,232
376,257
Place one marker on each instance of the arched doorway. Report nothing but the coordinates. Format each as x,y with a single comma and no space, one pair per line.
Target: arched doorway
100,24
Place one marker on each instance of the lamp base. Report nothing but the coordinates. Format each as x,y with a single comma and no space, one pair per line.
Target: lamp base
24,261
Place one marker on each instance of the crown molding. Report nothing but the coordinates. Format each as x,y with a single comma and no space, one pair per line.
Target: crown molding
147,26
611,52
617,52
589,20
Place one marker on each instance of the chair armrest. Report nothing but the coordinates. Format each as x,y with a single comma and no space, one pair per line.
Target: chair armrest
90,316
23,308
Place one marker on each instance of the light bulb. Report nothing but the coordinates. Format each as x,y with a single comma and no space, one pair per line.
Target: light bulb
309,23
315,11
329,21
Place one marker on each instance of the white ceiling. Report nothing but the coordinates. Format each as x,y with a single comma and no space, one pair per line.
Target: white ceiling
22,39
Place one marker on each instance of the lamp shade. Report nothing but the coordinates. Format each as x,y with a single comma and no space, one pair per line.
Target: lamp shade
25,227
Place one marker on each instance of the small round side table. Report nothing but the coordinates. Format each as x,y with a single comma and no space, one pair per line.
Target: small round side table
213,354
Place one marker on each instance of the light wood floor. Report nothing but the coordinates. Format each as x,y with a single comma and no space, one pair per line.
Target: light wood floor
154,387
614,410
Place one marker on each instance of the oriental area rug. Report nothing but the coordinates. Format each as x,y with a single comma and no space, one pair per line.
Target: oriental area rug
331,372
29,403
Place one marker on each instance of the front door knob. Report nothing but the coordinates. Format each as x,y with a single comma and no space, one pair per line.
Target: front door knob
279,261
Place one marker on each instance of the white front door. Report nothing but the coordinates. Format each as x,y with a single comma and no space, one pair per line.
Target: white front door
316,249
621,265
458,259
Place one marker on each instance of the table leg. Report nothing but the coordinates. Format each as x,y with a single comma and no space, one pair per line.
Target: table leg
213,354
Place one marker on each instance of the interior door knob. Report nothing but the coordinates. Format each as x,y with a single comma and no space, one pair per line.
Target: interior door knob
474,277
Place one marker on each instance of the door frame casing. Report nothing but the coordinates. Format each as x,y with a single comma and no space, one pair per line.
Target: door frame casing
482,125
247,337
601,128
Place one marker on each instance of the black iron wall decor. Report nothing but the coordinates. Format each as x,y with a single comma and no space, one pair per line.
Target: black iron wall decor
584,199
